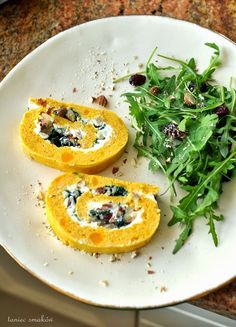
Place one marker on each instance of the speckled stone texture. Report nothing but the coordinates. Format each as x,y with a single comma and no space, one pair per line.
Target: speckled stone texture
24,25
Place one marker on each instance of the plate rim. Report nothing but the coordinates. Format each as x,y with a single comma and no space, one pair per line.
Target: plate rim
35,274
110,306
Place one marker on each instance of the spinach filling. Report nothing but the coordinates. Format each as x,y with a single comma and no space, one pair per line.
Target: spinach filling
110,215
60,136
57,137
112,190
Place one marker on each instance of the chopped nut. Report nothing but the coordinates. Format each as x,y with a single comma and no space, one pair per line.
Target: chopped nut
101,100
189,99
74,90
149,265
115,170
40,196
125,160
104,283
134,162
163,289
114,257
135,254
154,90
151,272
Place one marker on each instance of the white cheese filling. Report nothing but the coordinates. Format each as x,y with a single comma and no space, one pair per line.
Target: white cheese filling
134,214
103,135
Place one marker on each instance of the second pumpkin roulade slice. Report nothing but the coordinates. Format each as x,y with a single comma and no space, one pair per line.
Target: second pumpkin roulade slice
100,214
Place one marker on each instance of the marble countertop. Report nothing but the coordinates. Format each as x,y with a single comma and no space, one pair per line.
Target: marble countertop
24,25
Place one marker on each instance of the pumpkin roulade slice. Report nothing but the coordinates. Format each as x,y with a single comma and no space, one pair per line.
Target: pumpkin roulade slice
100,214
72,137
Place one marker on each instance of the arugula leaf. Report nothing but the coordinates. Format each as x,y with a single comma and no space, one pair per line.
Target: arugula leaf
181,133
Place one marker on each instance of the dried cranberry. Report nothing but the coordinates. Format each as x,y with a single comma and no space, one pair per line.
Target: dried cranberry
203,87
137,80
107,217
221,111
191,86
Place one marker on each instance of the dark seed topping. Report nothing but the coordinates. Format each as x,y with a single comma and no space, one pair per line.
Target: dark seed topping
191,86
203,87
221,111
137,80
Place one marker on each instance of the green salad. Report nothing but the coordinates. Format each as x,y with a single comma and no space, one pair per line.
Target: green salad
186,126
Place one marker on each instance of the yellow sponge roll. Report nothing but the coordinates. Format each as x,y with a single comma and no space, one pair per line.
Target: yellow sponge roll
71,137
100,214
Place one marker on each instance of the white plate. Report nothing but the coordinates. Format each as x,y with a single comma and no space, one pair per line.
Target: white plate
71,59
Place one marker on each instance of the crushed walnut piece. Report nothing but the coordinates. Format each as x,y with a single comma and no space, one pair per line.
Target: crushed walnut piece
133,162
149,265
104,282
154,90
119,174
94,254
115,257
151,272
163,289
39,195
189,99
115,170
135,254
101,100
